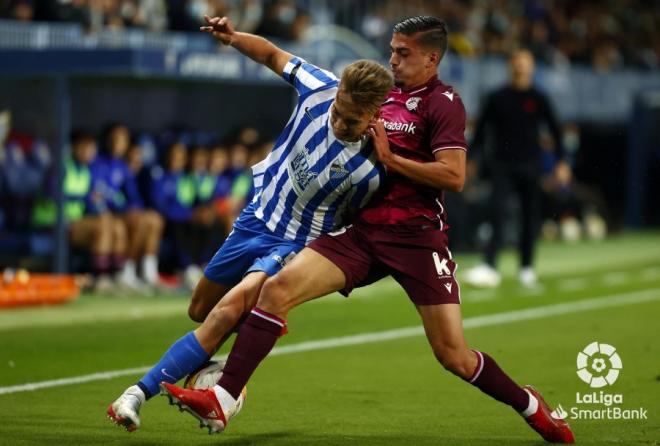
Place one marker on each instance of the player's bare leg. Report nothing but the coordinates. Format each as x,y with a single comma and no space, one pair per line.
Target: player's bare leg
443,327
206,295
444,331
308,276
229,311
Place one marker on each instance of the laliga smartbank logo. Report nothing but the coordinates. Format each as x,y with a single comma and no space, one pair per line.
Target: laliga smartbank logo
599,365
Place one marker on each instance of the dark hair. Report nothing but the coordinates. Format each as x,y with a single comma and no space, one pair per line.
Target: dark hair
81,135
432,31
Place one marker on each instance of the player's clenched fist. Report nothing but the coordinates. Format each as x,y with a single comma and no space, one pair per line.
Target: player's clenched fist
219,27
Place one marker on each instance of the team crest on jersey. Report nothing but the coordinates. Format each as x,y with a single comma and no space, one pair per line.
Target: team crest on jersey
338,174
301,173
411,103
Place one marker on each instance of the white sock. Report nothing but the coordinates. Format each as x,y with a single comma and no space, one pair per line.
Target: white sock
150,268
532,407
137,392
129,272
225,399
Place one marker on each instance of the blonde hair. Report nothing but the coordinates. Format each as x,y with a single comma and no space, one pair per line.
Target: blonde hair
367,82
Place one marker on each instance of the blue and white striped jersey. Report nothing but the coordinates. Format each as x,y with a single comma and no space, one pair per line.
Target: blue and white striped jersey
310,178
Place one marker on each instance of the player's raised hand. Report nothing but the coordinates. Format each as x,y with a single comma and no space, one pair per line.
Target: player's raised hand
376,130
219,27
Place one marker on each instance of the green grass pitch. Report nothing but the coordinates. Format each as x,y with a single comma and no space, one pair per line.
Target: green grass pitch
388,392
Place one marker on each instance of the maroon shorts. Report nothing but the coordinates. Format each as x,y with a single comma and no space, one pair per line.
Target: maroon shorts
416,257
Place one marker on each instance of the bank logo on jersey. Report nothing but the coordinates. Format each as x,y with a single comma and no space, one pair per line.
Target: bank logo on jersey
411,103
408,127
300,171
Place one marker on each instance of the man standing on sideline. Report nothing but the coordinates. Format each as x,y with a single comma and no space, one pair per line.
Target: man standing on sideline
515,115
401,232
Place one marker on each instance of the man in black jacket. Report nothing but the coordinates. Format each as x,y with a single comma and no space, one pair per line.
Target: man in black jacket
514,116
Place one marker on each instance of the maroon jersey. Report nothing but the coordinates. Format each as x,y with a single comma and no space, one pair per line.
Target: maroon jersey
419,123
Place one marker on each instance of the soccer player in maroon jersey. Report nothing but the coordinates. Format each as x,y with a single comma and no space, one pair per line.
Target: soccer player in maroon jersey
402,232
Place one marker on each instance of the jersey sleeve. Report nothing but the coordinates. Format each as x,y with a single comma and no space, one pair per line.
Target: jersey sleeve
362,192
307,78
447,123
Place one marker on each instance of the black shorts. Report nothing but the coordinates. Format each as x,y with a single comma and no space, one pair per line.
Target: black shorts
416,257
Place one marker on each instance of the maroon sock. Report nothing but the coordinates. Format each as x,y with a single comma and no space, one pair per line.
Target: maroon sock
491,379
255,340
117,262
101,263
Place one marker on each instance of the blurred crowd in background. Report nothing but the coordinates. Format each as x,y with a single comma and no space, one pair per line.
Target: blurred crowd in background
140,207
283,19
607,34
134,203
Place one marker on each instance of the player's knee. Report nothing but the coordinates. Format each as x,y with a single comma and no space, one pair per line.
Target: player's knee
251,294
453,360
274,295
197,310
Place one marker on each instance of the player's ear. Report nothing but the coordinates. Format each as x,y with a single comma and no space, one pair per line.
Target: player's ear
434,57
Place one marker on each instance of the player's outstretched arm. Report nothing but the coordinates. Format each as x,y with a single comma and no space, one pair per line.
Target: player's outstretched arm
255,47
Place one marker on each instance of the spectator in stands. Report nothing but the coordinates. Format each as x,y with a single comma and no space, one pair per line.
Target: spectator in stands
77,11
607,35
570,208
514,115
219,168
173,195
150,14
208,229
22,10
5,124
282,20
91,226
134,160
25,162
247,15
144,226
241,178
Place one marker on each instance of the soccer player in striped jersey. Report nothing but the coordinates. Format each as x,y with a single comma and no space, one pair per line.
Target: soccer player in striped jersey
321,168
